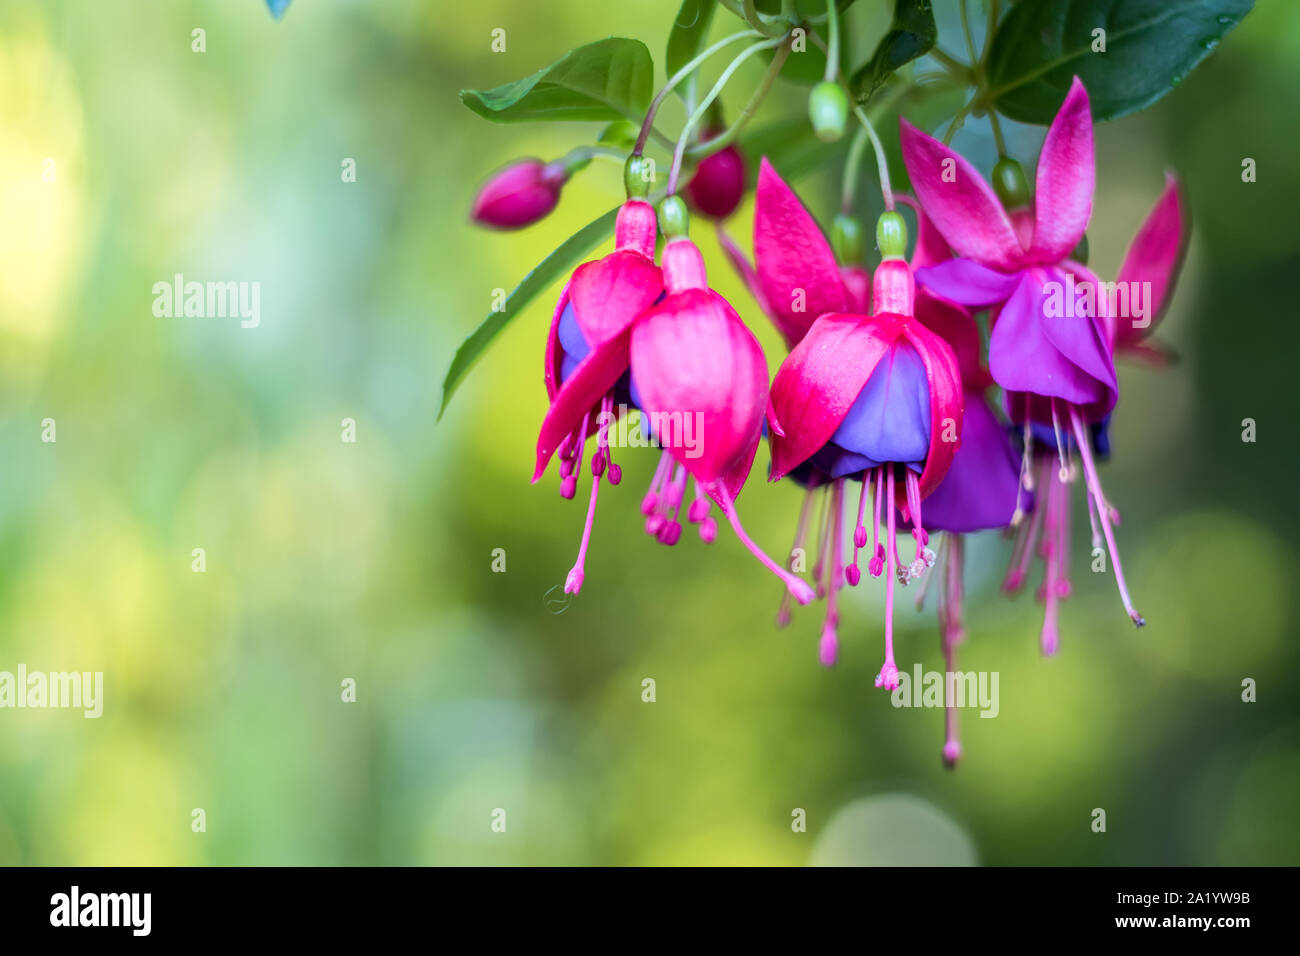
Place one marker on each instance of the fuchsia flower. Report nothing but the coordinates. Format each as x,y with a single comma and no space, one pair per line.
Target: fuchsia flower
1055,364
625,334
877,398
519,195
719,181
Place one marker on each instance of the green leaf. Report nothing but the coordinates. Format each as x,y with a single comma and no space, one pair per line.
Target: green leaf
563,260
620,133
606,80
687,39
1150,46
911,35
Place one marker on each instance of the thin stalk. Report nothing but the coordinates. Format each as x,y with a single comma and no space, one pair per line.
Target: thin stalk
851,164
882,164
686,71
725,138
832,54
700,110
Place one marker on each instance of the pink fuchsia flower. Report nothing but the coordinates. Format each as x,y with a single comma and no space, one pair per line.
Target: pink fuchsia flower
694,360
519,195
719,181
877,398
587,370
628,335
1051,354
1152,264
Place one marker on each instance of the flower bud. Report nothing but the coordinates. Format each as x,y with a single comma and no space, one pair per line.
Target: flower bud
719,182
891,236
846,240
519,195
674,221
828,108
1010,184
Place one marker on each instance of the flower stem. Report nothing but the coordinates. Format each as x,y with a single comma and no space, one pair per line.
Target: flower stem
694,119
833,53
677,78
882,164
725,138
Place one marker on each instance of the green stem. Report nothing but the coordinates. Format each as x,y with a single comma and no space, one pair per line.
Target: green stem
965,28
959,119
997,132
882,164
728,136
954,65
851,170
700,110
832,54
989,29
767,26
686,71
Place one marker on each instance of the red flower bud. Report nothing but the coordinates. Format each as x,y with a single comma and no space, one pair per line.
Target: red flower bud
719,182
519,195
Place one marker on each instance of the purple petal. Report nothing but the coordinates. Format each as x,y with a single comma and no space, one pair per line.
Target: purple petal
966,282
979,491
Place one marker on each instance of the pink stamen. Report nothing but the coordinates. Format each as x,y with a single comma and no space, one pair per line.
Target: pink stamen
801,531
829,646
1019,569
888,676
950,619
651,499
1094,486
573,582
851,573
798,588
1050,638
569,486
877,565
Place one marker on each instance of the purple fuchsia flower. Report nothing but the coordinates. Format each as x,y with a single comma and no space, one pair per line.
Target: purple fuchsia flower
1050,353
664,343
877,398
520,194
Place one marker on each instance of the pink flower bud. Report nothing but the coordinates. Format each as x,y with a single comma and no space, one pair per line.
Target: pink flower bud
718,184
519,195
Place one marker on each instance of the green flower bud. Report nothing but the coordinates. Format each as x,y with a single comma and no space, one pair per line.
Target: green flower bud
638,176
846,239
891,236
1010,184
828,108
674,221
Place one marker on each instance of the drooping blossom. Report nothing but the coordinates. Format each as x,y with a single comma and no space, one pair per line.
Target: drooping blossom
520,194
1049,346
1132,306
626,335
875,398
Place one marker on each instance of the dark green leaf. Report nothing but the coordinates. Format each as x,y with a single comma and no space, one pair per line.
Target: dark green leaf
606,80
912,34
560,262
1150,46
687,38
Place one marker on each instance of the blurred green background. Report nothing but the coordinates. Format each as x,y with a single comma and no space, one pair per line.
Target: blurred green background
372,561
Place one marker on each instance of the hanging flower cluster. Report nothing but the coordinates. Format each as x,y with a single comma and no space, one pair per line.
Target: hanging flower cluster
966,383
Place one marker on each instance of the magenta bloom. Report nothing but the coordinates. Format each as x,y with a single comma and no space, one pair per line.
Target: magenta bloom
519,195
626,335
877,398
1049,349
719,182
